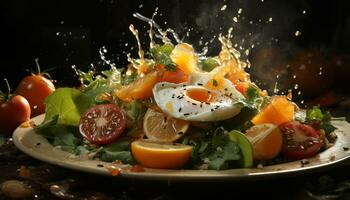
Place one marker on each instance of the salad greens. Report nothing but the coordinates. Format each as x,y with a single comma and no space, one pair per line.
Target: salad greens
161,55
209,64
67,104
65,136
323,118
215,150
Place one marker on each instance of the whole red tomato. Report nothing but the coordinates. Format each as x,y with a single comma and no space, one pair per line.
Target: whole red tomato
35,88
13,112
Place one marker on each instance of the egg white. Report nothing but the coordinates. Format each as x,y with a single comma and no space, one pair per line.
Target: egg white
173,100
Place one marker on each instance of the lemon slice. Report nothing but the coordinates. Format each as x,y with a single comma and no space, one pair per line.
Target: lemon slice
163,128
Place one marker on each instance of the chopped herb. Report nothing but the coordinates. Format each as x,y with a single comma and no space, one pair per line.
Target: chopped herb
209,64
215,83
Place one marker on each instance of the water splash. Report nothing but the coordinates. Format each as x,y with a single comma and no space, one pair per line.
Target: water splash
160,33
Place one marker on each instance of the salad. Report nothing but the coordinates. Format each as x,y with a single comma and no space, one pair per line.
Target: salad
173,108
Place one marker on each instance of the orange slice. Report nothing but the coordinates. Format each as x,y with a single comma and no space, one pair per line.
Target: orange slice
163,128
266,140
185,57
139,89
160,155
280,110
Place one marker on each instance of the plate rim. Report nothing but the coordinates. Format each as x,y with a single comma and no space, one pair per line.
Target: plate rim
176,175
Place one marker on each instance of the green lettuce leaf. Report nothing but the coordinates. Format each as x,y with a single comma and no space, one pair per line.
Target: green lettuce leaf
65,136
66,103
118,151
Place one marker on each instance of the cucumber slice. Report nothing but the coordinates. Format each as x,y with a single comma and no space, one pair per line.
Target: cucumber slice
245,146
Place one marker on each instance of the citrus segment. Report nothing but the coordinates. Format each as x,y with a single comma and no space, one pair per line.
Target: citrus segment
160,155
163,128
185,58
266,140
280,110
140,89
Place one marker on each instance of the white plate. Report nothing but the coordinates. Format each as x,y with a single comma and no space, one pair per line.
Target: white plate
38,147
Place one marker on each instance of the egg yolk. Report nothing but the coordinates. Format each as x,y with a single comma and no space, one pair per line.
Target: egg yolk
200,95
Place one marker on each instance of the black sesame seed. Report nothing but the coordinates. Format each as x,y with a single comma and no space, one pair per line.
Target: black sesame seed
173,96
346,148
194,104
180,133
225,89
100,165
199,84
212,110
186,114
180,109
201,105
207,103
162,84
37,144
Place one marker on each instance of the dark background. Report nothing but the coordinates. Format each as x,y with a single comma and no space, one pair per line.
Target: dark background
65,33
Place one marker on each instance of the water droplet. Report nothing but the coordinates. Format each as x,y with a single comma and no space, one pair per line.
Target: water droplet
320,73
297,33
304,12
223,7
58,33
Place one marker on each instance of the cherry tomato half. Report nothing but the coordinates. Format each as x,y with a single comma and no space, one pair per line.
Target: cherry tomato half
299,140
103,124
35,88
13,113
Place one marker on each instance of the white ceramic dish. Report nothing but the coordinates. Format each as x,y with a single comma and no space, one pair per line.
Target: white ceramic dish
38,147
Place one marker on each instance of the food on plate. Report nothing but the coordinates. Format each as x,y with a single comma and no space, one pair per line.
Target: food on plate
160,155
174,108
14,110
266,140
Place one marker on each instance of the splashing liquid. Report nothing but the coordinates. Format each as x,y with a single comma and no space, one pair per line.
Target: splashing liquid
163,35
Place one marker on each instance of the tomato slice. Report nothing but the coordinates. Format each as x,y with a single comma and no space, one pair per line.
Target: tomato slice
103,124
300,140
